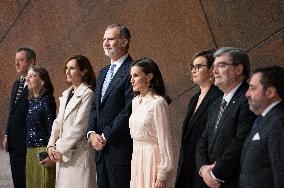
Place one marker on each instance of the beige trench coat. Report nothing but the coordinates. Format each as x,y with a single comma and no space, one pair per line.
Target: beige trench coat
77,168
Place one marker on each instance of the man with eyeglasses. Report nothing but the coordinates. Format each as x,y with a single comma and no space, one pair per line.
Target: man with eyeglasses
15,135
229,121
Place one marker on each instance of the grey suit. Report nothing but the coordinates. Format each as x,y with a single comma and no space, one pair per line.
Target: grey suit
262,159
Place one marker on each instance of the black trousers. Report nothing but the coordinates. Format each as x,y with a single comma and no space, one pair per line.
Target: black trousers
113,176
18,168
189,177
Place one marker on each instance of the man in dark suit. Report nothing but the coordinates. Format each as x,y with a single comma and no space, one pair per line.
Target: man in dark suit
15,135
229,121
108,129
262,159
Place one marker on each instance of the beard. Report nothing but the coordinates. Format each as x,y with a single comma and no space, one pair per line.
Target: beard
110,53
255,106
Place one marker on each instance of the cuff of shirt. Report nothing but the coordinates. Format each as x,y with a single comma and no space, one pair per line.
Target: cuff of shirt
211,173
103,136
88,134
200,170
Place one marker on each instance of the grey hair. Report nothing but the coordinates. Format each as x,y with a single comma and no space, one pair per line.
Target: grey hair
237,56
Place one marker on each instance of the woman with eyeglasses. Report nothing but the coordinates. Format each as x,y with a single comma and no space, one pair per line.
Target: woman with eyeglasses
40,170
195,119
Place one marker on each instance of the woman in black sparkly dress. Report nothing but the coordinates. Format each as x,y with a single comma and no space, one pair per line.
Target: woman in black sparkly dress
40,171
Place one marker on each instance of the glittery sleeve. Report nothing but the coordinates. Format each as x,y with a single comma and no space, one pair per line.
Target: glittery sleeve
49,113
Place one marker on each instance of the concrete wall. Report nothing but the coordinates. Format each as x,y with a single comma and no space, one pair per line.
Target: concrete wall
169,32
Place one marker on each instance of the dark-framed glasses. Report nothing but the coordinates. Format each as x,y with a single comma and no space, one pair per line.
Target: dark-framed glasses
197,66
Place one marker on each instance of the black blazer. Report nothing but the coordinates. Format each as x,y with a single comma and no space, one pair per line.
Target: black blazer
262,159
111,116
16,128
225,144
193,126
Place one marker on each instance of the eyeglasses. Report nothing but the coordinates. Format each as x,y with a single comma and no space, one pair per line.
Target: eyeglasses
197,66
222,65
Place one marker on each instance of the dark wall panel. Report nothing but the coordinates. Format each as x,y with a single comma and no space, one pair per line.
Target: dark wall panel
244,23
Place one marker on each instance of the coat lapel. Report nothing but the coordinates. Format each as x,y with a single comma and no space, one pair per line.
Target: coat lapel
75,100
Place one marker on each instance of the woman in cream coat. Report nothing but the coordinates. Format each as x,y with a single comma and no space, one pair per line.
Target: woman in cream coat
68,145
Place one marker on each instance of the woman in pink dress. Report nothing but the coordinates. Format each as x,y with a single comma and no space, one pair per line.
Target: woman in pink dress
152,157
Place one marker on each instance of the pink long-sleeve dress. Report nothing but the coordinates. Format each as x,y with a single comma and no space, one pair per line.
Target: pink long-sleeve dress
152,155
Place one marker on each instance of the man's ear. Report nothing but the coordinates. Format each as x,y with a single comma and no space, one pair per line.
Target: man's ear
271,92
240,69
124,42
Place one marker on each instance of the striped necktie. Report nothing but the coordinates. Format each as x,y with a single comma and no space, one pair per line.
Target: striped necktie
108,78
20,88
222,109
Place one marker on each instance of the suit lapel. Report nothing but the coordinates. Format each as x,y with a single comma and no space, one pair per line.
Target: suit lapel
100,83
228,110
187,125
116,78
21,97
14,92
200,111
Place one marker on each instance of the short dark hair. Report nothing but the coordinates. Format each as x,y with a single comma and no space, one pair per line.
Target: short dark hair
238,57
157,83
272,76
84,63
47,87
123,32
208,54
31,55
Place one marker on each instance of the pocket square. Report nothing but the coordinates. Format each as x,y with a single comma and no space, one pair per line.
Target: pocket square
256,137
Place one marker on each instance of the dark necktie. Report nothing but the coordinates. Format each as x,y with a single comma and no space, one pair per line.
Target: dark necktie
20,89
256,124
222,109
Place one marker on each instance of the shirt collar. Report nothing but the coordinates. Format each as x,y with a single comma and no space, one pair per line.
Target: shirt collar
227,97
267,109
120,60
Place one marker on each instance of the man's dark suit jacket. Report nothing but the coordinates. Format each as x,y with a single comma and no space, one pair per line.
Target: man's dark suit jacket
17,131
262,159
16,128
111,116
224,144
193,126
